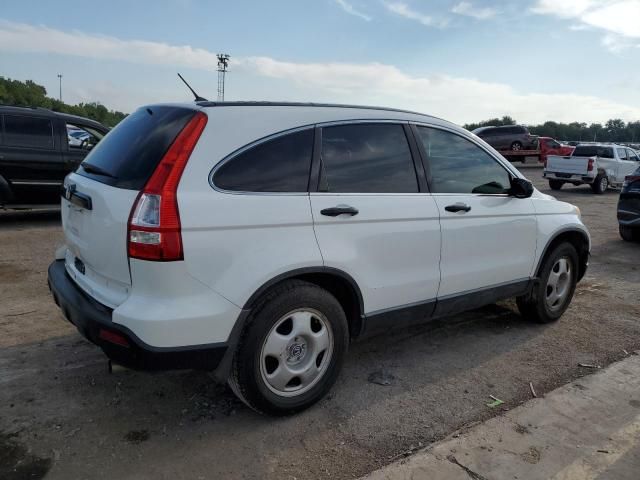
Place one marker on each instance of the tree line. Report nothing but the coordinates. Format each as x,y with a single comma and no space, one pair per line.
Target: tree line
30,94
614,130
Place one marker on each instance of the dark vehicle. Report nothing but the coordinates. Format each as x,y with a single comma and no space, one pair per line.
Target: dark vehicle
629,207
37,152
509,137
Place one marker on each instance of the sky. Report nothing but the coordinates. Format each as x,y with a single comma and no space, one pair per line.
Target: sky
465,61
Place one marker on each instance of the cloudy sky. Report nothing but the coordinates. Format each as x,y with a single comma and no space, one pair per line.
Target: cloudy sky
465,61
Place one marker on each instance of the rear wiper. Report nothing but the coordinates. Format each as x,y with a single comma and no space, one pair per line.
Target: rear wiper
90,168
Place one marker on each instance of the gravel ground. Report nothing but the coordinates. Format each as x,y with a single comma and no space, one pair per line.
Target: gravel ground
62,415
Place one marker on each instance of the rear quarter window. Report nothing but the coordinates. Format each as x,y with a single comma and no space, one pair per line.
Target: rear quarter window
132,150
281,164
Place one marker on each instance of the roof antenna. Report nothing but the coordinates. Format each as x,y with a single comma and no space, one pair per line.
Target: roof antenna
198,97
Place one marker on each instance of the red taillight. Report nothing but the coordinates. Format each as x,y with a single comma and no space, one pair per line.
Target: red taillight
113,337
590,165
154,222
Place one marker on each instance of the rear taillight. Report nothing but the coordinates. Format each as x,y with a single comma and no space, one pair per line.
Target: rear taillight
154,223
590,165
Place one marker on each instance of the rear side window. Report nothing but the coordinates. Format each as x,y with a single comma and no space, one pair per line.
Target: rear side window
457,165
593,151
367,158
130,152
22,131
278,165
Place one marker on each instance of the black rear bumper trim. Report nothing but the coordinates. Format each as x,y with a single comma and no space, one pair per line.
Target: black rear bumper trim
90,316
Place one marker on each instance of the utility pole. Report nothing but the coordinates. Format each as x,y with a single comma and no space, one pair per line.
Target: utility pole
60,78
223,63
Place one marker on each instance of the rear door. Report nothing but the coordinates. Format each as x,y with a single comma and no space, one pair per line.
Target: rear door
488,237
100,194
374,220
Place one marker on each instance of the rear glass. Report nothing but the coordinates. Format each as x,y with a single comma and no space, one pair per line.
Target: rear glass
593,151
131,151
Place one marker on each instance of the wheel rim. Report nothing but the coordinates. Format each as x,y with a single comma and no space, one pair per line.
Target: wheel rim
296,353
516,146
559,283
604,183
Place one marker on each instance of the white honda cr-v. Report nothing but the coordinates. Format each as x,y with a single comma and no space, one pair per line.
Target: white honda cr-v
256,240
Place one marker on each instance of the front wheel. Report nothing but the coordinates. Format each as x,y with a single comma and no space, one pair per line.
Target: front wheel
292,349
555,184
516,146
552,294
600,184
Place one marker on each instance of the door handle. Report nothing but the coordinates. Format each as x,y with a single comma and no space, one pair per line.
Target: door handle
339,210
458,207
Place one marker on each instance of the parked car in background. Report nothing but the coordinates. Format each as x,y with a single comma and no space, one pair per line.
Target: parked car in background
601,166
629,207
37,152
257,239
509,137
551,146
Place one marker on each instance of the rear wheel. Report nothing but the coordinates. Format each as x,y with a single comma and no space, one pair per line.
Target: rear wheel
556,184
600,184
516,146
551,296
292,349
629,234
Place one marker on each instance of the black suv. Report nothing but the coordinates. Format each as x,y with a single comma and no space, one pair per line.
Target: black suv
509,137
38,148
629,207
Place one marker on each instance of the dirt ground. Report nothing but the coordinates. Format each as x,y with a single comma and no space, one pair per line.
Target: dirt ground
64,417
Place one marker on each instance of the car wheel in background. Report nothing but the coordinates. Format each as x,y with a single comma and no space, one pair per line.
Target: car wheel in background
552,294
629,234
291,350
600,184
516,146
556,184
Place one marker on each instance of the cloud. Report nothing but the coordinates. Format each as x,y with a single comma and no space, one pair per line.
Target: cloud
458,99
20,37
402,9
455,98
617,18
467,9
350,9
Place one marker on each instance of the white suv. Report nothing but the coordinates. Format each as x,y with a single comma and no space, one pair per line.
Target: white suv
257,240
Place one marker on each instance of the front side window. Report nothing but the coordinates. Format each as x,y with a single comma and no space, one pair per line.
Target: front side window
367,158
22,131
278,165
459,166
81,137
622,153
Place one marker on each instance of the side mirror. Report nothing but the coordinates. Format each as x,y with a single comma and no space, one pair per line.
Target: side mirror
520,188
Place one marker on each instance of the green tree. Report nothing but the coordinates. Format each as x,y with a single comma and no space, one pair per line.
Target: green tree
30,94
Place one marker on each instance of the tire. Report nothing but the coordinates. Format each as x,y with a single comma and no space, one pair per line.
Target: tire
600,184
629,234
547,301
516,146
556,184
293,306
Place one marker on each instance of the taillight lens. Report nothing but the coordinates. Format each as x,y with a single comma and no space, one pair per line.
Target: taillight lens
154,223
590,165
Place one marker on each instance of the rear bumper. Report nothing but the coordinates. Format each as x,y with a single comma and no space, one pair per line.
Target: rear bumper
569,178
92,319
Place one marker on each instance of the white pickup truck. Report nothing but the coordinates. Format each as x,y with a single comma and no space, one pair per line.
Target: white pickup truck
601,166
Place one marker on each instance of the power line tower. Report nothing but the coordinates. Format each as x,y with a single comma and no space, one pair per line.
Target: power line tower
223,63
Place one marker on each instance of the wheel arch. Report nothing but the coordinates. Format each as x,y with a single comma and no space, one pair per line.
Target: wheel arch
337,282
576,237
